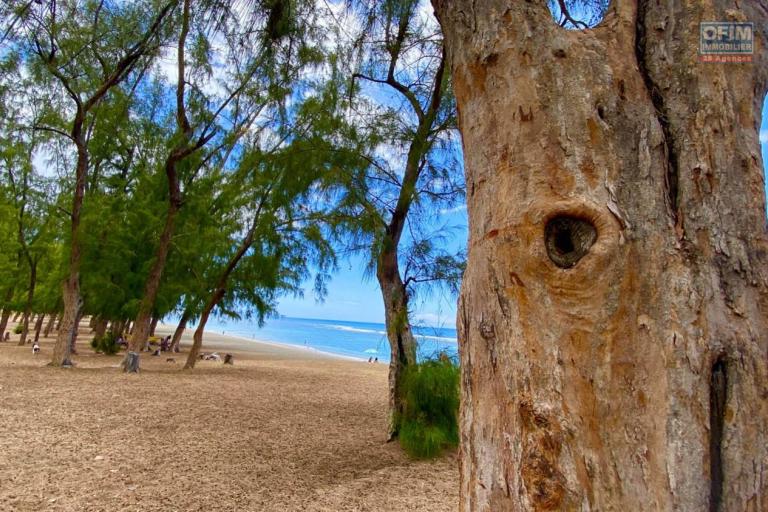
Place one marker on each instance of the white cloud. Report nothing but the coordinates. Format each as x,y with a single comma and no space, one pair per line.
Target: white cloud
455,209
764,137
431,319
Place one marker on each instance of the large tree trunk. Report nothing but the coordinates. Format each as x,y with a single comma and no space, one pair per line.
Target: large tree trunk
402,344
613,320
67,324
176,340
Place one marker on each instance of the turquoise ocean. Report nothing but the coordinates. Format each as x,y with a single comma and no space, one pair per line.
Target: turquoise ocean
351,339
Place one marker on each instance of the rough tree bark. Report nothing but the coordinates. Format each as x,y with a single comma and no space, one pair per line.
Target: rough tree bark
613,320
402,344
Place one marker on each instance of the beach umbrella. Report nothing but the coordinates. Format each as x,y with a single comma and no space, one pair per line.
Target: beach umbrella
371,351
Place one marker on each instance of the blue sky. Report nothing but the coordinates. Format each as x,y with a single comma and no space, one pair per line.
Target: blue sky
352,297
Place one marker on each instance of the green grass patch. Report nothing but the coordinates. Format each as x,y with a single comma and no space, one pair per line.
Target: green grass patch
107,344
429,422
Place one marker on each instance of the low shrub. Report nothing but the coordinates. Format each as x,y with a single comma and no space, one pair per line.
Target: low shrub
429,422
107,344
18,329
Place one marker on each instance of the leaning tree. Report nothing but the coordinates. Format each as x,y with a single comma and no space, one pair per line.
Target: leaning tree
613,319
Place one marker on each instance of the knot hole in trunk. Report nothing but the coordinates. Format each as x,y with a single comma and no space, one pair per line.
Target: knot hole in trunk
568,239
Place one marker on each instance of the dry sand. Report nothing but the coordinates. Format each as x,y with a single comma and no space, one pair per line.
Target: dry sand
283,429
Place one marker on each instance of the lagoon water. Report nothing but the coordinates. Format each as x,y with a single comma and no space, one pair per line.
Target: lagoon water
352,339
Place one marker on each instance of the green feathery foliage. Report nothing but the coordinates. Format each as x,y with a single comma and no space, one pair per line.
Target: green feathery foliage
106,344
429,422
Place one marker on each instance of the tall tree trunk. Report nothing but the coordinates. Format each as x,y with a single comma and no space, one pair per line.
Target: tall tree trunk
39,326
6,312
179,331
613,319
71,287
16,316
4,322
141,325
153,325
28,305
402,344
67,323
99,327
197,338
59,320
73,342
140,330
49,325
221,285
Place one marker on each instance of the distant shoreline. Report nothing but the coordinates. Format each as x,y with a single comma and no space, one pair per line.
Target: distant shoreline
214,342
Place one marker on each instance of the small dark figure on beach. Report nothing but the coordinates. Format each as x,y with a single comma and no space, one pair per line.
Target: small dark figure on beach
370,359
7,337
164,344
35,348
376,360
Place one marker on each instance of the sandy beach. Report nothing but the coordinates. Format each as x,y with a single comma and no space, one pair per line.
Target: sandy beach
285,428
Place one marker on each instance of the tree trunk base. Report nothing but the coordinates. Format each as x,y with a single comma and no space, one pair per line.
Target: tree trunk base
131,362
